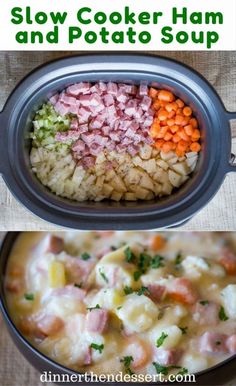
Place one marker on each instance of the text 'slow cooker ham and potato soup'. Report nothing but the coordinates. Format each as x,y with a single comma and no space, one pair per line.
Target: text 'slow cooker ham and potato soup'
114,141
134,302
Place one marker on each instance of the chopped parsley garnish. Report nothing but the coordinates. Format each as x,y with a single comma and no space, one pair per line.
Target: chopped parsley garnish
222,314
128,290
183,371
144,262
178,259
143,291
98,347
129,255
137,275
97,307
157,261
29,296
204,302
184,330
79,285
113,248
127,362
161,339
119,308
85,256
103,275
166,369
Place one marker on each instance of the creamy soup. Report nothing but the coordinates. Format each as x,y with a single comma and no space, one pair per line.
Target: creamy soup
136,302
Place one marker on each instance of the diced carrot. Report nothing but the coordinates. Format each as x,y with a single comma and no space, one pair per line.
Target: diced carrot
163,123
183,291
179,111
162,132
162,115
153,92
157,242
171,114
166,96
196,135
195,146
174,129
156,105
168,136
169,107
170,122
179,119
167,146
228,261
180,103
176,138
179,153
185,121
154,131
193,122
182,145
159,143
187,111
189,130
183,135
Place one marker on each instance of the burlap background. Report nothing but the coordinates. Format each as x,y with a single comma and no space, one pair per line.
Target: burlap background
218,67
16,371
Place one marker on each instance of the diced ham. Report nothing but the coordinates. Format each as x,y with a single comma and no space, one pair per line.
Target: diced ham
78,146
183,291
231,344
61,108
68,100
228,261
108,100
83,114
13,285
213,343
69,291
49,244
88,137
65,136
106,130
101,140
96,123
90,100
206,314
95,149
54,99
74,124
157,292
88,162
167,357
146,103
133,150
88,357
143,89
97,320
112,88
49,324
78,88
122,97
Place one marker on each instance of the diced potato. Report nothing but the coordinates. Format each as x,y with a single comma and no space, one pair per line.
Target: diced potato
157,188
78,175
172,161
146,182
107,189
110,298
130,196
145,152
163,164
137,313
150,165
105,273
116,196
141,193
191,154
167,188
137,161
174,336
99,182
110,174
191,161
56,274
195,363
167,156
229,300
175,178
118,184
132,177
181,168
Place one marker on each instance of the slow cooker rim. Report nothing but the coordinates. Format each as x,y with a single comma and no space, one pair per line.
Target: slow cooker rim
11,237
